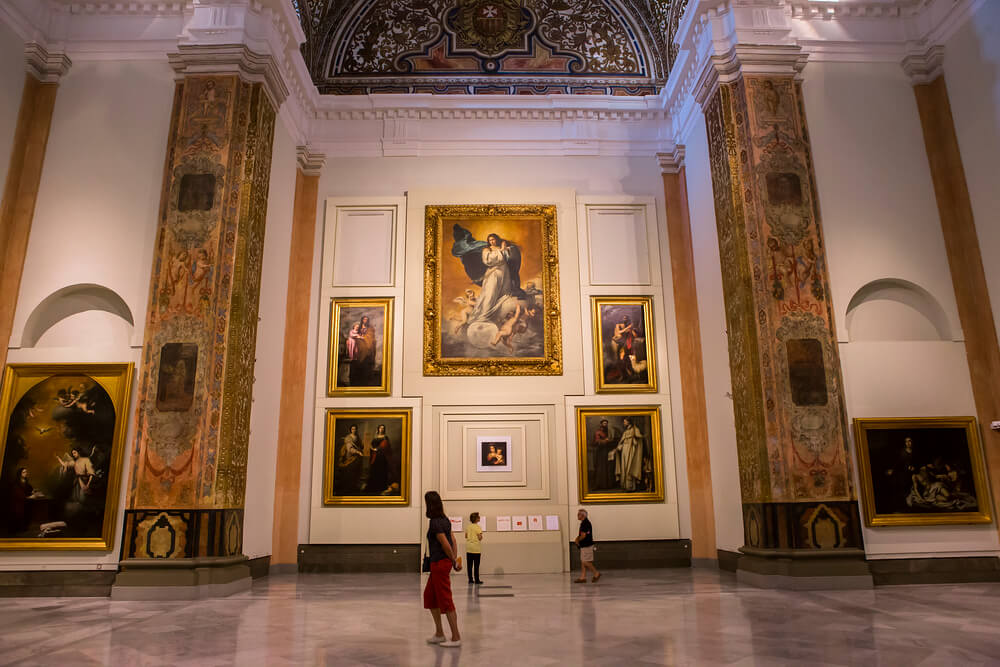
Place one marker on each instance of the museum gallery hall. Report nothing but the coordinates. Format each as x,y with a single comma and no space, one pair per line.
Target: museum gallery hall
410,332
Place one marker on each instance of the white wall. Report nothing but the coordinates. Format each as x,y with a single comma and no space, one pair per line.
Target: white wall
479,179
880,220
714,343
972,74
258,519
11,87
95,222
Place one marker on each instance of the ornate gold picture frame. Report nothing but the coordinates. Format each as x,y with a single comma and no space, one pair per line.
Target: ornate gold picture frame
491,290
619,454
367,457
922,471
624,344
63,439
360,359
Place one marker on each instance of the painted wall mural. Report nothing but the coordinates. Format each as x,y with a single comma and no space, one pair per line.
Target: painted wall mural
484,46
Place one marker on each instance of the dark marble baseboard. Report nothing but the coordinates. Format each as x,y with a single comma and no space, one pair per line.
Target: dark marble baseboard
889,572
57,583
728,560
359,558
260,566
637,554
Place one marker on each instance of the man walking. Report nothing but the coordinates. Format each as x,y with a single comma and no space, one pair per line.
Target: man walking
585,540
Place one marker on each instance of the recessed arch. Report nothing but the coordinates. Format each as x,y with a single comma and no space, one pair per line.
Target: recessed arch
895,309
72,300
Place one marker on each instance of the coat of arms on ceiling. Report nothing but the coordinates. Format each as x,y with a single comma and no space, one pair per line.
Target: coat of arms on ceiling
489,27
484,46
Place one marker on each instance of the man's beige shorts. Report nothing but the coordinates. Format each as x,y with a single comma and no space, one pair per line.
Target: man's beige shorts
587,554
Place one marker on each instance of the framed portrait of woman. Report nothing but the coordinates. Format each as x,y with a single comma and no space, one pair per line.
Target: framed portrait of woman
624,352
360,361
367,457
491,290
619,454
61,452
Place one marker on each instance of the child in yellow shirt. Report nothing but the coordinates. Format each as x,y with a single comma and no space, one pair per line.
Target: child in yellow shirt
474,547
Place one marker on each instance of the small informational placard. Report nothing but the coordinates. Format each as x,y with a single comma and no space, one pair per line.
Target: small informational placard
535,522
456,524
520,522
552,522
503,524
482,523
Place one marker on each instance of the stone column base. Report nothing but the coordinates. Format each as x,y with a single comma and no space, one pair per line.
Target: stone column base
793,569
181,579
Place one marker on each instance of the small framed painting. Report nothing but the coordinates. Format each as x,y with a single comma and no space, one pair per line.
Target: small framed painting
624,354
493,453
619,454
61,451
367,457
922,471
360,347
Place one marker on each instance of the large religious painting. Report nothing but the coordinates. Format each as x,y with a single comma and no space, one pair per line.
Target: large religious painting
61,454
619,454
491,291
624,356
922,471
360,347
367,457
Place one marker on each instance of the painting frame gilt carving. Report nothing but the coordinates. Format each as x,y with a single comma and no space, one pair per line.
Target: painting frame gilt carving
360,346
61,451
491,290
619,454
360,448
620,364
922,471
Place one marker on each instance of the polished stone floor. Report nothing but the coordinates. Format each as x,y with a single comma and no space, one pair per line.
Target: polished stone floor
651,617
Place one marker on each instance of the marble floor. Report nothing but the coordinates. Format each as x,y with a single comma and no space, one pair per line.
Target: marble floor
649,617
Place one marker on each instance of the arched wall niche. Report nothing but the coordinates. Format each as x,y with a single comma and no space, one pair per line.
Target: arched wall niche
94,308
895,309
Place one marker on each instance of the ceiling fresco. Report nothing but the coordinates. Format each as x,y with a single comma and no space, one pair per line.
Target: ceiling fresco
532,47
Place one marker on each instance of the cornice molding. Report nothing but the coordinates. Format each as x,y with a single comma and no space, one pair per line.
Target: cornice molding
924,66
672,162
231,59
310,161
47,67
774,60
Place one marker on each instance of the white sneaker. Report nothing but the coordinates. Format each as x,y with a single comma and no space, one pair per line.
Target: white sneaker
451,644
436,639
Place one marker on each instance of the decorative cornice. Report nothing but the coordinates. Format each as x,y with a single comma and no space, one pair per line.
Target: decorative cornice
45,66
310,162
774,60
673,162
231,59
924,66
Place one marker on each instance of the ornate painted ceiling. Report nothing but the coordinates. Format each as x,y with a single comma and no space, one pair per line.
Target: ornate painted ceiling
532,47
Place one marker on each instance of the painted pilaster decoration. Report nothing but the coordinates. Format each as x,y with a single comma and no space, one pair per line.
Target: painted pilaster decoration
310,162
46,66
188,474
794,460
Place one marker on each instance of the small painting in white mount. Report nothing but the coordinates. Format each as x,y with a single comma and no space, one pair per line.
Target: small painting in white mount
363,247
493,453
616,233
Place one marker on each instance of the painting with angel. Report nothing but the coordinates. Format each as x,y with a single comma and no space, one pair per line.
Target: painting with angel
491,291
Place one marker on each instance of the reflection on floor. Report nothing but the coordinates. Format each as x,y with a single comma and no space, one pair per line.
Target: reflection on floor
650,617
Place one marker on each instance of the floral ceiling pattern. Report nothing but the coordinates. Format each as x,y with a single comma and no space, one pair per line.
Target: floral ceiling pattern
488,46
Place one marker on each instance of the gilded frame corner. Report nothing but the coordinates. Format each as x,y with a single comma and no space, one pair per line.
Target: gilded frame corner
329,457
551,361
873,518
601,386
585,494
384,388
116,380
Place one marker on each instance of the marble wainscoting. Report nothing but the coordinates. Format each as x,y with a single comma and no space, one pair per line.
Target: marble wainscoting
646,617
